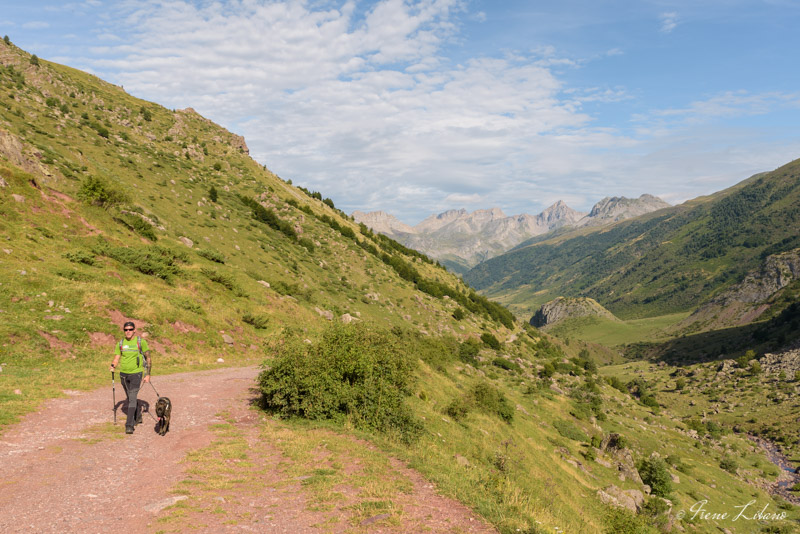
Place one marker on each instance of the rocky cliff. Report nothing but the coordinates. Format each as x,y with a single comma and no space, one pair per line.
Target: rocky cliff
749,299
613,209
567,308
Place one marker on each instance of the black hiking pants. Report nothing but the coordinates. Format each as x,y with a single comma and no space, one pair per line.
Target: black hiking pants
131,384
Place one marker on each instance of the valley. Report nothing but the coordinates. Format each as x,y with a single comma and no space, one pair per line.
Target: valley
384,380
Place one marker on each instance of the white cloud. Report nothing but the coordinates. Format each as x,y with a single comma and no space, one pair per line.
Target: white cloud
368,108
669,21
460,198
36,25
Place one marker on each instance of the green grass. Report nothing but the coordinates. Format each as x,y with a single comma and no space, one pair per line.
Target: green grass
613,333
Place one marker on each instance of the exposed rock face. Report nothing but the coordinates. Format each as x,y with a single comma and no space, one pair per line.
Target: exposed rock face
746,301
787,362
565,308
613,209
632,500
382,222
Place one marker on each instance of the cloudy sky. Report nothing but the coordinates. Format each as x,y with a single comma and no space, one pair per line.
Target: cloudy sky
418,106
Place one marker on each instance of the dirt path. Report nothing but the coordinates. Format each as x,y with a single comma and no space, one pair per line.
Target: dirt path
66,469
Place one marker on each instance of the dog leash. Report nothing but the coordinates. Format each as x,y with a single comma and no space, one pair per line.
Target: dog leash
148,408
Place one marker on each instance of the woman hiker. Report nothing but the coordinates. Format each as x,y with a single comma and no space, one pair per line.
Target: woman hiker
133,358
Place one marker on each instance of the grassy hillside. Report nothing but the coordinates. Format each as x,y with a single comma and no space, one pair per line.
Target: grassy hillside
113,208
665,262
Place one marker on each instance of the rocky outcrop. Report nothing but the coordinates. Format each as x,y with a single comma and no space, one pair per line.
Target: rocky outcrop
747,300
787,362
614,209
383,223
566,308
632,500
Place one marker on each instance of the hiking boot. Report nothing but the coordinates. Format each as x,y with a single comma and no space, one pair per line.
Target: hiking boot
128,430
139,420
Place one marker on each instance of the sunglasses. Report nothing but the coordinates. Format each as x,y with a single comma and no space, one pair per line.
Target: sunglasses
129,329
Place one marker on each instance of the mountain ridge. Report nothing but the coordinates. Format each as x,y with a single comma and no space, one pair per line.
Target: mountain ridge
462,239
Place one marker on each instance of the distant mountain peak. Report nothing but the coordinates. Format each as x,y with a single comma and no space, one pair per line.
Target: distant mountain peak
613,209
382,222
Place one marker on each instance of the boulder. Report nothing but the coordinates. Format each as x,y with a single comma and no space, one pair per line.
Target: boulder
632,500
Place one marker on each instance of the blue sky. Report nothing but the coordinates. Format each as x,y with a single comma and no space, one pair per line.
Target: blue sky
416,107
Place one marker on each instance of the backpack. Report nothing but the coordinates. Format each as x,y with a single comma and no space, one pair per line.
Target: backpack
138,346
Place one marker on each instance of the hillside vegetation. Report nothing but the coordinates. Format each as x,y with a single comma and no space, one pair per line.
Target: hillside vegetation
113,208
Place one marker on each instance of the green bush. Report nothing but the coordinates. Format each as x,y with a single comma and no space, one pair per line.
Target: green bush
506,364
468,351
655,474
729,465
258,321
458,314
491,400
152,260
568,430
100,193
222,279
307,244
80,256
213,195
353,373
138,225
547,371
211,255
458,408
490,341
621,521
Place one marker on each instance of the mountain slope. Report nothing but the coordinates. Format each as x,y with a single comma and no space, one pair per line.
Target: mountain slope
113,208
663,262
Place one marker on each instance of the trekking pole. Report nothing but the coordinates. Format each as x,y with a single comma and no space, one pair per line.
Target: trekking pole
114,397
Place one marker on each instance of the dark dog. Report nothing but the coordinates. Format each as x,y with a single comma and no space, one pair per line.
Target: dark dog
163,411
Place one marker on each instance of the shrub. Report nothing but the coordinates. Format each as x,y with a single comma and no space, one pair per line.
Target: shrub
152,260
490,341
680,384
458,314
617,384
468,351
506,364
458,408
491,400
353,373
307,244
211,255
729,465
80,256
547,371
570,431
257,321
213,195
100,193
34,60
217,166
138,225
621,521
654,473
222,279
